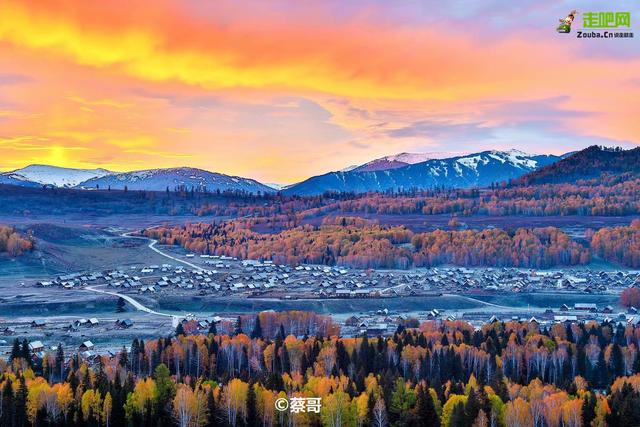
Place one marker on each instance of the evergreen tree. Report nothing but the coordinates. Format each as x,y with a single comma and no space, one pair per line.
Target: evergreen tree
252,412
458,417
124,357
179,330
16,351
498,385
238,329
588,409
257,329
212,328
8,413
60,361
281,335
165,391
25,352
211,408
21,404
472,407
426,409
120,305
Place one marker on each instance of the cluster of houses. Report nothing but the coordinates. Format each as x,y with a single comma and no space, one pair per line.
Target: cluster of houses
522,280
383,322
86,350
228,276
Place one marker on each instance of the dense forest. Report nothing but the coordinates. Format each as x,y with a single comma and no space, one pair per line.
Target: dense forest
441,373
619,244
592,162
608,195
363,244
13,243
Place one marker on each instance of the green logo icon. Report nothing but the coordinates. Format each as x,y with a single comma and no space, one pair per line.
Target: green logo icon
565,23
607,19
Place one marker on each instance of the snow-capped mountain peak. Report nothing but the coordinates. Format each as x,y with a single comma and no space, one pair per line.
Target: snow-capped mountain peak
172,178
56,176
413,158
397,161
472,170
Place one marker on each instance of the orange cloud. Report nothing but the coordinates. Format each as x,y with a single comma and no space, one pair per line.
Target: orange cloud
163,85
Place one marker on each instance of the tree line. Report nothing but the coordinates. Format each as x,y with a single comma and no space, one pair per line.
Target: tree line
443,373
360,243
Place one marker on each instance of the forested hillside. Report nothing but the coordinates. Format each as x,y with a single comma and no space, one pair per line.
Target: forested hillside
441,374
358,243
592,162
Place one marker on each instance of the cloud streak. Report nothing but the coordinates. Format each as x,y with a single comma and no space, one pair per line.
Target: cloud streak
282,90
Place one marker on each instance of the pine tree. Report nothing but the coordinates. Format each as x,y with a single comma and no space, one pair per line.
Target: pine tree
60,361
179,330
165,391
16,351
426,409
458,417
472,407
257,329
8,413
211,408
212,329
21,404
124,357
252,412
238,329
25,353
498,385
588,409
281,335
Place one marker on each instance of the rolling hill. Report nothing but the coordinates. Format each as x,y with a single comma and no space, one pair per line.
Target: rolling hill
592,162
172,178
37,175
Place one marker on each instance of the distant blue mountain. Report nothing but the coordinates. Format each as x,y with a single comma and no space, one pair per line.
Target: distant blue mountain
480,169
172,178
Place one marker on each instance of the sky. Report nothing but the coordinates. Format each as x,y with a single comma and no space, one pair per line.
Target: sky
281,90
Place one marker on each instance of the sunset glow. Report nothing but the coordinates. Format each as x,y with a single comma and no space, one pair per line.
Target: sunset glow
279,91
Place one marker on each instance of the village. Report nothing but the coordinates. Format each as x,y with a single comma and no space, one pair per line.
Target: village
222,276
213,278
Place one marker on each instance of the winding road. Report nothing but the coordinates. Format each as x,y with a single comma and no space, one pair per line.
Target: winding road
136,304
130,300
152,246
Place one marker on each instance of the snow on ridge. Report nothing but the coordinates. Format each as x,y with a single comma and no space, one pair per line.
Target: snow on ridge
413,158
472,162
57,176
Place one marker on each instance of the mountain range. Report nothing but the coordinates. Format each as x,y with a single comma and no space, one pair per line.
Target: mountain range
403,171
150,180
396,161
161,179
479,169
37,175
